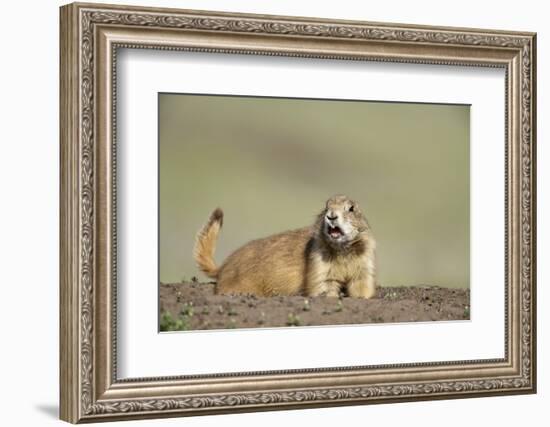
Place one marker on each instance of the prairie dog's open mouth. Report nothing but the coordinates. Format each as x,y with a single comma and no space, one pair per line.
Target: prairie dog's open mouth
334,231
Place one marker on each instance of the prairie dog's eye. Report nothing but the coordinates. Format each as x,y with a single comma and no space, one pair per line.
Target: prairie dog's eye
351,208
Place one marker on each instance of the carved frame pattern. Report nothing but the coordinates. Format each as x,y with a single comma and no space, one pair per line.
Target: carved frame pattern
81,399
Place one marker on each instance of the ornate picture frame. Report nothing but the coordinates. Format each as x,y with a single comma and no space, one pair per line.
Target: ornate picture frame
90,37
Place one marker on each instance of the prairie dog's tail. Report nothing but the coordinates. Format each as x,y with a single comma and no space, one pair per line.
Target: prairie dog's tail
205,244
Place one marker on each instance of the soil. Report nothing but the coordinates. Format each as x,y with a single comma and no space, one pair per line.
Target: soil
194,306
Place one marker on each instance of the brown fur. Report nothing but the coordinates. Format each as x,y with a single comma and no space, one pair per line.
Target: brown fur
205,244
298,262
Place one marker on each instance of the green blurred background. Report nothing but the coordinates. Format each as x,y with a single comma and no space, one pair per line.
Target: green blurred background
270,164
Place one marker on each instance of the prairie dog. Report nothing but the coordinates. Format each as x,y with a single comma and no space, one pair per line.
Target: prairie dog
335,254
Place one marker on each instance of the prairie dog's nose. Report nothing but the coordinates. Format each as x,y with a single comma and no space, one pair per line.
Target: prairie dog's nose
331,216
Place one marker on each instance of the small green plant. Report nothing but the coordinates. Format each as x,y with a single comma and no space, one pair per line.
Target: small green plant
232,311
205,310
168,323
391,295
187,309
306,306
232,324
293,320
339,306
467,312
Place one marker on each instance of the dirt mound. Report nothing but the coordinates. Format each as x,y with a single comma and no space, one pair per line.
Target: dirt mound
195,306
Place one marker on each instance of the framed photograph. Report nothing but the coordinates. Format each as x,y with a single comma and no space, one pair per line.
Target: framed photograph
266,212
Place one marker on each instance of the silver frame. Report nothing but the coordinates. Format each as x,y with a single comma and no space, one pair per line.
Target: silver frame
90,37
